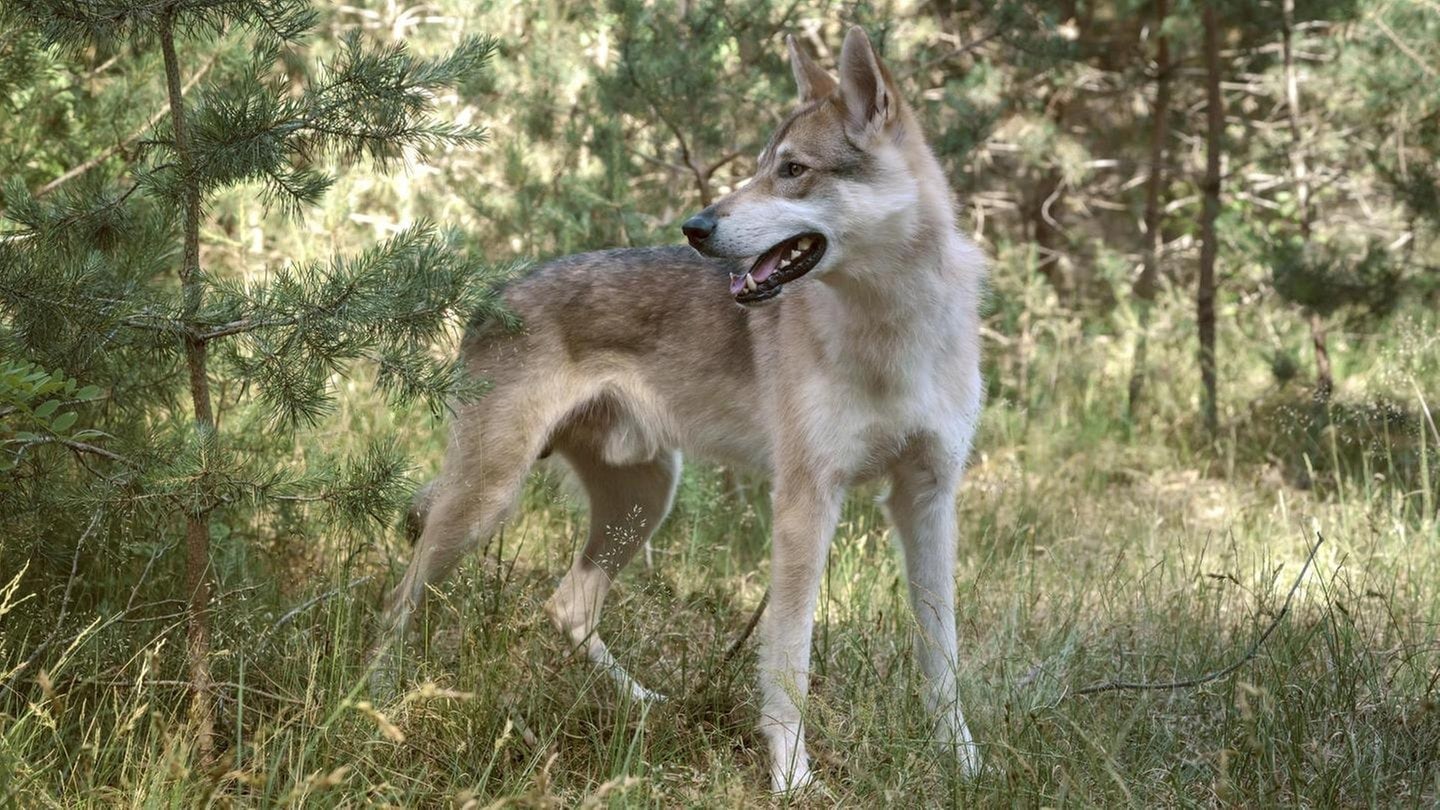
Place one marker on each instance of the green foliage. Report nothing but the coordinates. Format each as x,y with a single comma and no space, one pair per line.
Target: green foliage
101,22
36,408
88,282
1393,63
1323,280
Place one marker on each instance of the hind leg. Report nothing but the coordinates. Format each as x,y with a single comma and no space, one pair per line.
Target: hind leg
418,511
627,504
493,445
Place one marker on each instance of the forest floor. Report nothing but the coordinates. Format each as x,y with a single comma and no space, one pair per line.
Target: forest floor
1088,555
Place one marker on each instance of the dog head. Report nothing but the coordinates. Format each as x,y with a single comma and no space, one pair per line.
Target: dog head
836,183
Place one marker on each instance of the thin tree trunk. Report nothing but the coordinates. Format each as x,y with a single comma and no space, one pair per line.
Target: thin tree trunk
1324,377
1205,293
1300,177
1154,184
197,522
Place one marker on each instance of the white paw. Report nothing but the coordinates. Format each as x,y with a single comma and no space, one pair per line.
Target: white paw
640,694
968,757
789,781
965,751
955,741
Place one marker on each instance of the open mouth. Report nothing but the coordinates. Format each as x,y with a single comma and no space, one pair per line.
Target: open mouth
777,267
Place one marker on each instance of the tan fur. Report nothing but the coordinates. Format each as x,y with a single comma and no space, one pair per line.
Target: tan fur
866,367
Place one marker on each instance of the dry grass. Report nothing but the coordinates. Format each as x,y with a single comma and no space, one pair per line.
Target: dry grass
1090,553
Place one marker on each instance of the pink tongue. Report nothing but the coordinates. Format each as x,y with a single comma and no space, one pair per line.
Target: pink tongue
764,267
768,263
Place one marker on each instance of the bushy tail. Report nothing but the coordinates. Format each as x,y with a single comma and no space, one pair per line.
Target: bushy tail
419,510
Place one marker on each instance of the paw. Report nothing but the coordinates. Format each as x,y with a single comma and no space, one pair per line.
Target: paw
386,663
640,694
628,686
792,781
955,741
967,757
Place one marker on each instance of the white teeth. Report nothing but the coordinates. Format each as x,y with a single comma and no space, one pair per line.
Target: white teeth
749,282
803,244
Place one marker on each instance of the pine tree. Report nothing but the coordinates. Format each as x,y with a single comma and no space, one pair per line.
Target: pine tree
1145,285
1323,270
1210,248
126,347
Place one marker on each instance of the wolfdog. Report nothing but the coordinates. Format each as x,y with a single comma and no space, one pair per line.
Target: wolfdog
822,328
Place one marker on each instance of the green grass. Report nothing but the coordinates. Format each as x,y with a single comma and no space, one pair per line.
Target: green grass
1092,550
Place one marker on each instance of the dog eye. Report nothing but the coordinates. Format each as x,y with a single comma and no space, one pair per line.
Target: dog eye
793,169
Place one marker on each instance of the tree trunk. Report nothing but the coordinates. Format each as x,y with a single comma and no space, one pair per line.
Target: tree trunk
1154,184
1205,293
1300,177
197,521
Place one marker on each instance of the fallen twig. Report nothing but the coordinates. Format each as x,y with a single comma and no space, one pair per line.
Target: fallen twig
736,646
291,614
749,629
1116,686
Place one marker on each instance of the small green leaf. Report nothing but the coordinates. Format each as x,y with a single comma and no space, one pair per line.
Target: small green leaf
47,408
27,436
88,392
63,422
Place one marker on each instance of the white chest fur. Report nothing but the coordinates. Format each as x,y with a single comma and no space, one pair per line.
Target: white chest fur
864,376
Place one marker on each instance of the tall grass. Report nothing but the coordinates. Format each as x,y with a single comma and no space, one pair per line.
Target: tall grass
1092,550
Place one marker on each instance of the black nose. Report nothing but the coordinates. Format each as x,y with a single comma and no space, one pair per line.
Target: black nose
699,227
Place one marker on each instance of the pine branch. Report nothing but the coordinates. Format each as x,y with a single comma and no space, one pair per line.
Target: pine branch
129,140
370,103
79,447
244,325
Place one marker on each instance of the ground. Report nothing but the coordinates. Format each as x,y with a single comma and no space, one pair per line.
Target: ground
1092,550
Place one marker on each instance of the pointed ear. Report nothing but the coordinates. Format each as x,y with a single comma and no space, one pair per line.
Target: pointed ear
871,104
811,79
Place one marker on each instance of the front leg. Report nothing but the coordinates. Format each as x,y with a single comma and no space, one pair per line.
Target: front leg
922,507
807,506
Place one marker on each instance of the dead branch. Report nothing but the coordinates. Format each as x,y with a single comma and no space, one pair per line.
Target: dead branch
130,139
749,629
1254,649
293,613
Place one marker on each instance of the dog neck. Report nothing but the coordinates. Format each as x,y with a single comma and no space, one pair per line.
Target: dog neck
929,252
886,315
